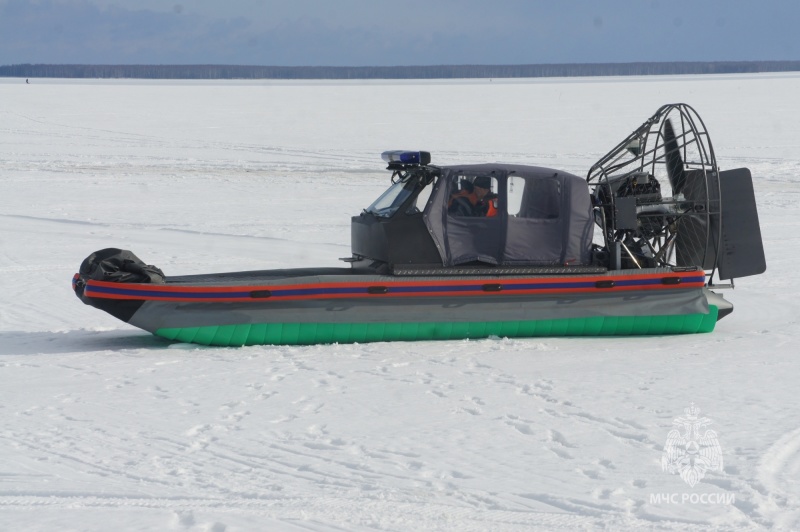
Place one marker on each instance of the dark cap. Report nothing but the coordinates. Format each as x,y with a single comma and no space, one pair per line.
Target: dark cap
483,181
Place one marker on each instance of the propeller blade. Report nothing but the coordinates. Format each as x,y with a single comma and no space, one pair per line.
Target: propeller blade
675,168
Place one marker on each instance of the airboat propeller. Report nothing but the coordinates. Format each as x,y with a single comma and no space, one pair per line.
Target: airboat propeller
661,201
675,168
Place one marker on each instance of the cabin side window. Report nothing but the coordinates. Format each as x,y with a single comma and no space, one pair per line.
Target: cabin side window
472,196
534,197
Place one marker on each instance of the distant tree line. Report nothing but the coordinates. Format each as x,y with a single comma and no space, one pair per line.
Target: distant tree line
395,72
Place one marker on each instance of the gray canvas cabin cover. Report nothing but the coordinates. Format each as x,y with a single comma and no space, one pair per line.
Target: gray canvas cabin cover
544,218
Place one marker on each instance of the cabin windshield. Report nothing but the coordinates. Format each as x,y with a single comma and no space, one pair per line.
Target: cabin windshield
391,200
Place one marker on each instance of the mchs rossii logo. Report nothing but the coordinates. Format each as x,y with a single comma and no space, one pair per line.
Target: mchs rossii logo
690,450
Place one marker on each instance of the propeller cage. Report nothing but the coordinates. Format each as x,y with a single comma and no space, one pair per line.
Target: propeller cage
657,195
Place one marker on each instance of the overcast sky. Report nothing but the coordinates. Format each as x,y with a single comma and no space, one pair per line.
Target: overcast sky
397,32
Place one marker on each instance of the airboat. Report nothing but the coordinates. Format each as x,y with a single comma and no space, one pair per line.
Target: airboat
641,246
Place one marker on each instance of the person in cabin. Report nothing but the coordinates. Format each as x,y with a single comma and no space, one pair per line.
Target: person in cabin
474,199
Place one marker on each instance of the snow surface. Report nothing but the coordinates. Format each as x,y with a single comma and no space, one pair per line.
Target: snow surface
104,426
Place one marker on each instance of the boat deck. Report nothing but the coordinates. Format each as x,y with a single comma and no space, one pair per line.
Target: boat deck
405,274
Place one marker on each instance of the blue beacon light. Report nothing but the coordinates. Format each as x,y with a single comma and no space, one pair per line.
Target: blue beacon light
406,157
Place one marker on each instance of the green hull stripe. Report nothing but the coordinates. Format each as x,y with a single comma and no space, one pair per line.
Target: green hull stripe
327,333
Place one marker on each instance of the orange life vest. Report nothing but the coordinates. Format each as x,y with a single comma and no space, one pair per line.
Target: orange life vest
492,208
473,199
490,204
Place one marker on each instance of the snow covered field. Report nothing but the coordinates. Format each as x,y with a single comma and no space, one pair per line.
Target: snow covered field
103,426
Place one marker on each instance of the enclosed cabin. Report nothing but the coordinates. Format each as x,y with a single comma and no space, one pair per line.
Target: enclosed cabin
491,217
